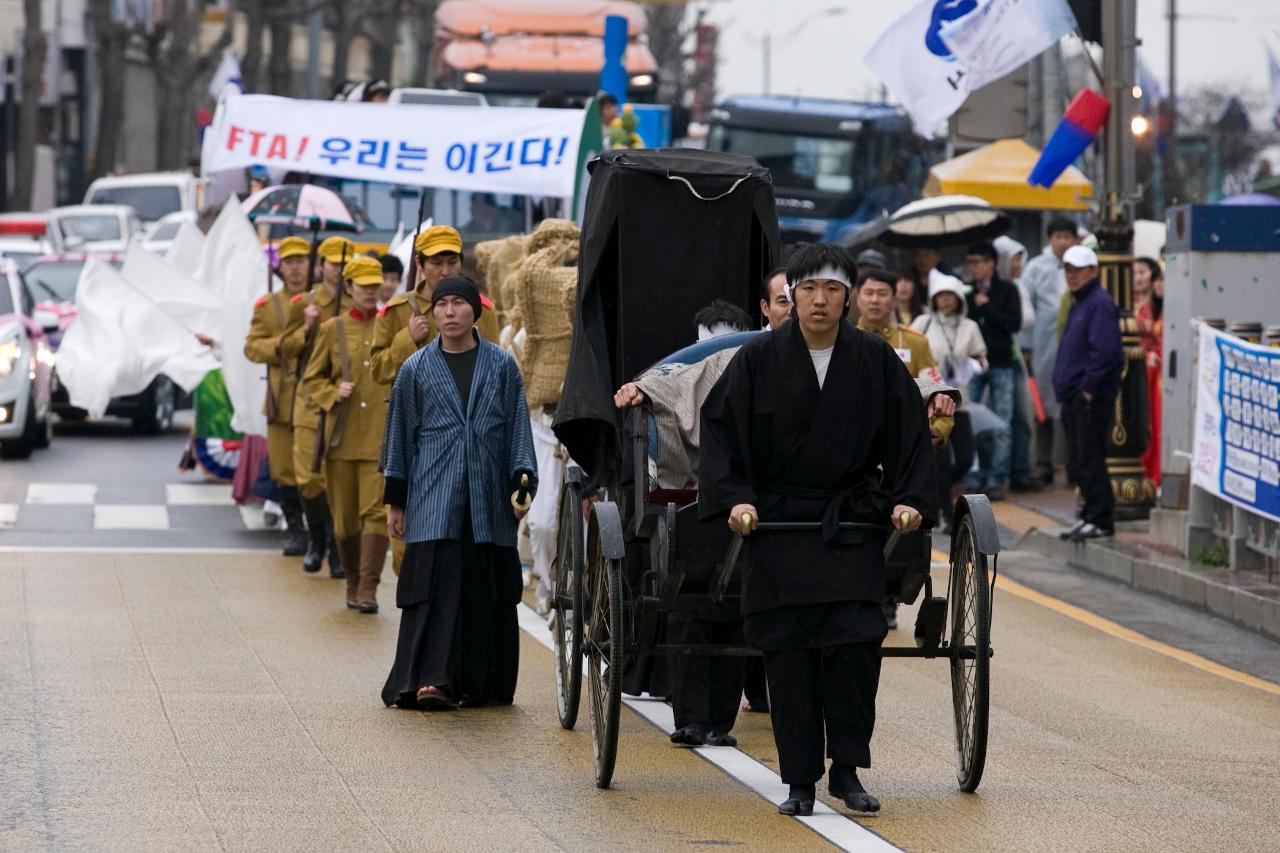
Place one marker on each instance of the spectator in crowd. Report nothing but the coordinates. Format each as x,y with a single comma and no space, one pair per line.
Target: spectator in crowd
868,260
721,317
1148,299
775,307
392,273
993,304
1011,257
908,298
1086,379
608,105
1046,284
958,348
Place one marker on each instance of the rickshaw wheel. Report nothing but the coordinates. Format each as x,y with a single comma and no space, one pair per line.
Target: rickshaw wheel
566,605
603,640
970,614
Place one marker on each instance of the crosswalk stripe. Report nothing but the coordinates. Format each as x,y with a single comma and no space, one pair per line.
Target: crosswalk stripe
8,515
61,493
130,517
198,494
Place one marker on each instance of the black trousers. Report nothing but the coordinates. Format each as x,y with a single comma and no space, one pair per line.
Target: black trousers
812,689
1086,424
705,690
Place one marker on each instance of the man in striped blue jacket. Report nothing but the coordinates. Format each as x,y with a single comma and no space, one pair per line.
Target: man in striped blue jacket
458,453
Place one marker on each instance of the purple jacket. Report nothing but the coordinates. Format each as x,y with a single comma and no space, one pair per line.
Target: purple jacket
1090,356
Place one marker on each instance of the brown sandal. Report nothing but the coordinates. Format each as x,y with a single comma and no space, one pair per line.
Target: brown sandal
432,698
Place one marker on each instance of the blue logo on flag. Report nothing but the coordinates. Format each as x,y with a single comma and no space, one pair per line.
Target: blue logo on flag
944,11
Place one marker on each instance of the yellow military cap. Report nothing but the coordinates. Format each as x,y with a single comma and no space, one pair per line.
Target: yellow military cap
292,247
333,249
363,271
437,239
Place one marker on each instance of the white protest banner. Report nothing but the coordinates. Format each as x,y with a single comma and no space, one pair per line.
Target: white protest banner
918,67
1003,35
516,150
1236,453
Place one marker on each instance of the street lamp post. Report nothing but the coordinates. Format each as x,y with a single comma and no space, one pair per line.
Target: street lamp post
767,41
1130,430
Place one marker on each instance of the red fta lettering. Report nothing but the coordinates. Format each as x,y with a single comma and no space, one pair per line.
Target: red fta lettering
234,135
279,149
302,147
256,136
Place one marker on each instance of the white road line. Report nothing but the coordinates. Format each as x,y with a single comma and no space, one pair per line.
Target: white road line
130,517
61,493
8,515
198,494
841,831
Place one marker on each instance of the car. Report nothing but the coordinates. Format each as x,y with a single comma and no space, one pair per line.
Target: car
151,194
24,237
95,227
26,368
160,236
53,279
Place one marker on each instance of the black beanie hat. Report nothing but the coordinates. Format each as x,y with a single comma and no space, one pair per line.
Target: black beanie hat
461,286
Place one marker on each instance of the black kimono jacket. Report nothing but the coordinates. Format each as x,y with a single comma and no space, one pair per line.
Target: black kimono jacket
849,451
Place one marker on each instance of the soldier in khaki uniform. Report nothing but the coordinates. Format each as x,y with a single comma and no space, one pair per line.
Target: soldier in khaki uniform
306,312
338,381
876,314
263,346
405,324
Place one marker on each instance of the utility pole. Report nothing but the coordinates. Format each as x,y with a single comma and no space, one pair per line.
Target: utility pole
1171,106
314,25
1130,429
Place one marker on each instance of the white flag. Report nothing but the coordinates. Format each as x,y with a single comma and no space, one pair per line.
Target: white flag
1273,69
1003,35
918,67
226,74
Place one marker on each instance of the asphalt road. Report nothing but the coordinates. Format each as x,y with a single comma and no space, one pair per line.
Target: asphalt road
156,694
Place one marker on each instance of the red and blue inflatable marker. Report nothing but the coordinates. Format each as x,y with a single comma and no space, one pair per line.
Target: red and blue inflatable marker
1085,116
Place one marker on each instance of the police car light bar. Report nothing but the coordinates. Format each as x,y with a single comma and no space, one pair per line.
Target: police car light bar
24,227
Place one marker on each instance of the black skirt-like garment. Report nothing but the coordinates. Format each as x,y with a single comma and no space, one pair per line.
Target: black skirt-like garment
816,626
458,625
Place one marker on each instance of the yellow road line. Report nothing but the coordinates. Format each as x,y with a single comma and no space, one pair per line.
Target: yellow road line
1120,632
1019,519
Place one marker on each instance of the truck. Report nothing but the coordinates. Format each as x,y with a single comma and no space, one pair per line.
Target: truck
836,164
514,50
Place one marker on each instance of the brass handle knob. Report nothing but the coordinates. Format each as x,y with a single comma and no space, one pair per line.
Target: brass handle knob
904,518
521,500
747,523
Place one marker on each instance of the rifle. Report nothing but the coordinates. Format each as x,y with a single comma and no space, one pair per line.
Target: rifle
411,282
317,454
311,280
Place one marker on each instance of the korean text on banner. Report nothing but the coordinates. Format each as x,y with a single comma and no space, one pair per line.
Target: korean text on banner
497,149
1237,429
1004,35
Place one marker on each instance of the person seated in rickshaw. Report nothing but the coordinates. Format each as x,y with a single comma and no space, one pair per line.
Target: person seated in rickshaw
817,422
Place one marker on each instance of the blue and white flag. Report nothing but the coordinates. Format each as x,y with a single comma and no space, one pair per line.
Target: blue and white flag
1004,35
226,74
941,50
918,67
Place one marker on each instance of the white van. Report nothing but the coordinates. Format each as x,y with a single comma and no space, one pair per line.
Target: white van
151,194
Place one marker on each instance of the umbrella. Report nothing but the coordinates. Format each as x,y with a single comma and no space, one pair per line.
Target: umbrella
304,206
944,220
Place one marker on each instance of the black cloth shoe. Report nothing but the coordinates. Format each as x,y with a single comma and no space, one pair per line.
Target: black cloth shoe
295,536
843,784
1071,531
799,801
995,493
367,607
689,736
317,513
1029,484
1091,531
890,613
715,738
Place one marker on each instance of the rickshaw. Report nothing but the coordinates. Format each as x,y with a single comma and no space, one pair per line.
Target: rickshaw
666,232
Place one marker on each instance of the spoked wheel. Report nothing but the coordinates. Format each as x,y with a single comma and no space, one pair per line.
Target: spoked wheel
970,614
566,605
603,634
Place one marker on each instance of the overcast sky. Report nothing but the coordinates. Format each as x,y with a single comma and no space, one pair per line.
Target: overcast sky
825,58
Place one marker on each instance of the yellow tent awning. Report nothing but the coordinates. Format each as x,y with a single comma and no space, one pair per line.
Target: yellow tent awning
998,174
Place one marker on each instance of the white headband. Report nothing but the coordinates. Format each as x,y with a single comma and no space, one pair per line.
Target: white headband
829,273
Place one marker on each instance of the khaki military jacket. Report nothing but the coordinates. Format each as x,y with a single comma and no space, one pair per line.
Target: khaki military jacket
296,345
913,348
354,426
263,346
